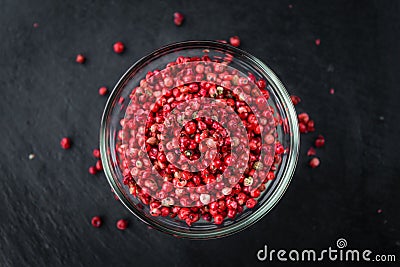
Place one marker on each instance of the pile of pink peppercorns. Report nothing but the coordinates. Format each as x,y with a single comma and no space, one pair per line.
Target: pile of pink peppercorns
305,125
189,194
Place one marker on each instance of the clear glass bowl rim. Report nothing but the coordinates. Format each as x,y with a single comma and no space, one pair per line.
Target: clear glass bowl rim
294,141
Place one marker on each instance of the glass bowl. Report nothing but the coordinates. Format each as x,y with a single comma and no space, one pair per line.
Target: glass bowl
244,64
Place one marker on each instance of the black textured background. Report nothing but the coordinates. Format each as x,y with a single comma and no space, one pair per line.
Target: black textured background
46,203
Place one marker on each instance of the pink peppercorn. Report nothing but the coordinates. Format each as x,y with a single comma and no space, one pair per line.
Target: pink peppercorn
92,170
261,84
303,117
311,152
165,211
251,203
302,127
96,153
320,141
270,176
99,165
255,193
168,82
317,42
310,126
96,221
80,59
279,149
218,219
314,163
234,41
332,91
119,47
178,18
103,90
65,143
295,99
122,224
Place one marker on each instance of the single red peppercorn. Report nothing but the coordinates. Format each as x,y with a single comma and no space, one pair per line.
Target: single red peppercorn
218,219
165,211
295,99
80,59
213,205
103,90
317,42
96,221
311,152
119,47
265,94
65,143
183,213
99,165
178,18
92,170
255,193
261,84
310,126
122,224
332,91
279,149
314,163
270,176
190,127
320,141
303,117
231,213
302,127
251,203
234,41
96,153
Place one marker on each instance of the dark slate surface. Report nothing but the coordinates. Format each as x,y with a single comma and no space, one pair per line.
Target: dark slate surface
47,202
